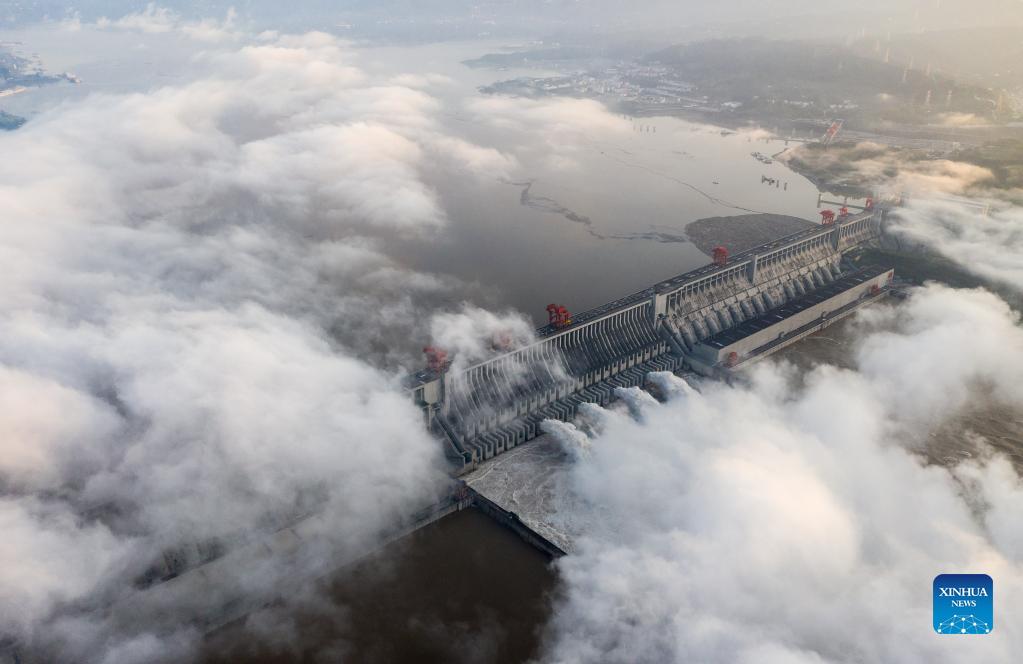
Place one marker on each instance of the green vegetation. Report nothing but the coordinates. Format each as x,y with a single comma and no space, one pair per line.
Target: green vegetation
837,168
806,80
1004,159
855,169
18,71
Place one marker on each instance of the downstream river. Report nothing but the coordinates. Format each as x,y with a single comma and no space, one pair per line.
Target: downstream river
463,590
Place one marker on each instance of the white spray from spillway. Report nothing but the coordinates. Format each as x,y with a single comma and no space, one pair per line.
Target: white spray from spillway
670,385
592,419
575,442
636,400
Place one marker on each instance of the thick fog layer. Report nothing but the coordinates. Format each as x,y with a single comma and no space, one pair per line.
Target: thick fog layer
196,301
982,236
204,331
778,521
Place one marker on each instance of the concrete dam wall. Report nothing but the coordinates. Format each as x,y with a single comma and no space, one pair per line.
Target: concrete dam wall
697,320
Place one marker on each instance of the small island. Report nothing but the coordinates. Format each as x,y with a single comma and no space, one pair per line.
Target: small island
742,232
18,74
9,122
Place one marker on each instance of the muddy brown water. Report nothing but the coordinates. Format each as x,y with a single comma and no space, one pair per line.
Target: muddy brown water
462,590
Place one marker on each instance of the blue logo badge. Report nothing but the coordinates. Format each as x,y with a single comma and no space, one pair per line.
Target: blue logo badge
963,604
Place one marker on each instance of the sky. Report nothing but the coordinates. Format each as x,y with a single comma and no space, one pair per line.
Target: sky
811,18
203,331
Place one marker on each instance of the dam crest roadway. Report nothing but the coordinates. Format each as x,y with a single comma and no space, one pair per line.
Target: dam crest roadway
712,320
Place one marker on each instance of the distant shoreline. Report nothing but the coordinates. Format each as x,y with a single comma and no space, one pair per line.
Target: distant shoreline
9,92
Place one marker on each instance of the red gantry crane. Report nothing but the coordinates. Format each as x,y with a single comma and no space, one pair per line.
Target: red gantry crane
720,255
558,316
436,359
832,131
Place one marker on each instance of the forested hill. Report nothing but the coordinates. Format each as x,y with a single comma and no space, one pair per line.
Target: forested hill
768,75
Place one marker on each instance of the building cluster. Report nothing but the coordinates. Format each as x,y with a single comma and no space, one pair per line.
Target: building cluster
631,82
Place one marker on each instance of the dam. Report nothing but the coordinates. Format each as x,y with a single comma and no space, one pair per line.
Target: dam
712,320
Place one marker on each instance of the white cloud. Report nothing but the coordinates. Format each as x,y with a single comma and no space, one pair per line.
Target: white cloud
779,521
152,19
48,430
989,245
554,130
472,334
50,556
198,299
875,166
155,19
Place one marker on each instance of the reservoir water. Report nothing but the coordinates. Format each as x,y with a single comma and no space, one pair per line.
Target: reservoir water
592,206
596,209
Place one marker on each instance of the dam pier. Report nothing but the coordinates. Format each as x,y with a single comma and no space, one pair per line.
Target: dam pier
712,320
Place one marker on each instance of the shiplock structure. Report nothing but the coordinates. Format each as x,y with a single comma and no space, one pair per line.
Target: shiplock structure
711,320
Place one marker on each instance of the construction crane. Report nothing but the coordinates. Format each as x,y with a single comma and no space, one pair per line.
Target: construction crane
558,316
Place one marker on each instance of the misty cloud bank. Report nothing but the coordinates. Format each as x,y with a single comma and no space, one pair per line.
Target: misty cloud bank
795,517
790,521
203,327
202,335
987,244
158,19
202,330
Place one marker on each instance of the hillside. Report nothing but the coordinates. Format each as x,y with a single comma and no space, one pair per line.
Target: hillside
802,79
